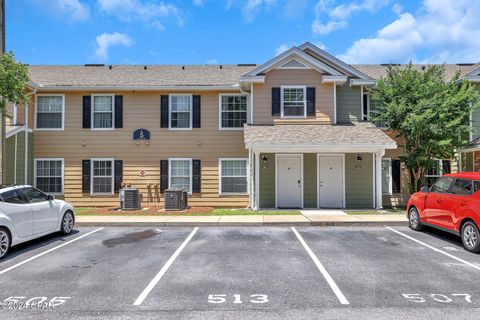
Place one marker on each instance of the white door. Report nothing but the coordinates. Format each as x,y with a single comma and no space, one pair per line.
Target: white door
330,181
289,181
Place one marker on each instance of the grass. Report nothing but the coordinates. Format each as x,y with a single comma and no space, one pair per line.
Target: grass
87,211
371,212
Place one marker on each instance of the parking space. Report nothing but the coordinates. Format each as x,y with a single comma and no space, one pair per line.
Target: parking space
252,271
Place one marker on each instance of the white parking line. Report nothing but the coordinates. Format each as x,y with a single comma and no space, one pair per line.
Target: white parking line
322,269
164,269
434,249
48,251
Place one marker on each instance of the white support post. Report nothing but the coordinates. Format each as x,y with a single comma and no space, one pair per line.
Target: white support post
257,180
378,179
26,144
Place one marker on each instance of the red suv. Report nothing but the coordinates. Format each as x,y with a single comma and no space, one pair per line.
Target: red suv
452,204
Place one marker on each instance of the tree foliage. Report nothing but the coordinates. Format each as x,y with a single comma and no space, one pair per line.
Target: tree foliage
13,81
429,114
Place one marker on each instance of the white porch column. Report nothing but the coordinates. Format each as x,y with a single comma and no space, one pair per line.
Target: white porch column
256,204
378,179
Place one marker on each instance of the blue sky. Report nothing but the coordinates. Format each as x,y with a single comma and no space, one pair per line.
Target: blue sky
240,31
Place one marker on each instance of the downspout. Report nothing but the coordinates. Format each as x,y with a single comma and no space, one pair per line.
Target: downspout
334,103
26,139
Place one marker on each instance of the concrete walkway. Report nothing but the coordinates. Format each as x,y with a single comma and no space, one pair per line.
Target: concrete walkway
252,220
323,212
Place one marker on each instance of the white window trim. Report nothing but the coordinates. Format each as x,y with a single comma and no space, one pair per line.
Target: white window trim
304,102
36,111
170,172
390,184
440,169
63,173
170,111
220,176
92,160
220,96
92,108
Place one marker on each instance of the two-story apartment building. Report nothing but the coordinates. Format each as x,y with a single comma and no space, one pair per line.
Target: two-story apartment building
290,133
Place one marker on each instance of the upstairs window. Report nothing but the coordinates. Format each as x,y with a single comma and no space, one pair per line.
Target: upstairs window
439,168
102,112
181,112
294,102
49,112
233,111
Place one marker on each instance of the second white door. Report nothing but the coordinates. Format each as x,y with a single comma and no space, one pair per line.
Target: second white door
330,181
289,181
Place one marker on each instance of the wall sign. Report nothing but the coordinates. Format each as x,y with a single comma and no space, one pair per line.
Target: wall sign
141,134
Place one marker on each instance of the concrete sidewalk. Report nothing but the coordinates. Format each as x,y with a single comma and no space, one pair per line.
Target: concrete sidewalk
250,220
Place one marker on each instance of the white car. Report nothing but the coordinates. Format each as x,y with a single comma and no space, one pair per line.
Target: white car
27,213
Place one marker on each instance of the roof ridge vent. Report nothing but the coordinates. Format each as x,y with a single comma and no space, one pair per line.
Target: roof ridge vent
94,65
246,65
466,64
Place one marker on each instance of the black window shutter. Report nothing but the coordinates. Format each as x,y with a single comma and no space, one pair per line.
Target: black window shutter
118,111
164,112
163,175
118,175
86,176
311,101
196,102
87,112
197,176
276,100
446,168
396,173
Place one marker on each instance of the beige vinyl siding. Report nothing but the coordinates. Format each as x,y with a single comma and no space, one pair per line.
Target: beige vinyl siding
359,180
310,180
262,96
142,110
349,103
267,181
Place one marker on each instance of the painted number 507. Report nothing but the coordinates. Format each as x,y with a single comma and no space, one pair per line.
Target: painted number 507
237,298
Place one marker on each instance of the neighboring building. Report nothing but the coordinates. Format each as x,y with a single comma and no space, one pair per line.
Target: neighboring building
292,132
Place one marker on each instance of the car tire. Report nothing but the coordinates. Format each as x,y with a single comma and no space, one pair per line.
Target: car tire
414,221
67,223
470,237
5,242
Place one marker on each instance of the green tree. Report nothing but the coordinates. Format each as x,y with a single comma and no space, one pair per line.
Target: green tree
13,81
429,114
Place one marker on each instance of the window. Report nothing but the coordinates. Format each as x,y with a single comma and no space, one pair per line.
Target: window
476,185
49,175
34,195
442,185
233,176
387,176
14,196
439,168
294,102
180,174
373,112
49,112
102,111
102,176
462,187
180,112
233,111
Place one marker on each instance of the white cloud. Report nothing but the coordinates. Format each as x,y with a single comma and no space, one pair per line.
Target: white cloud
198,3
336,17
397,8
107,40
71,10
154,13
253,7
433,35
212,61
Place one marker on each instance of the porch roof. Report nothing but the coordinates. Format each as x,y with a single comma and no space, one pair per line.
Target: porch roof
352,135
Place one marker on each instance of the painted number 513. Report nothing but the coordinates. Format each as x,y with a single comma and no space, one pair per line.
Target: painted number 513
237,298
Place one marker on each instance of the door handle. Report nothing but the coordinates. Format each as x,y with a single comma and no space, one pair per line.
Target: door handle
440,200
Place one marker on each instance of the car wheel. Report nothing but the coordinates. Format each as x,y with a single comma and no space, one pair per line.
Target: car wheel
470,237
414,219
5,242
67,223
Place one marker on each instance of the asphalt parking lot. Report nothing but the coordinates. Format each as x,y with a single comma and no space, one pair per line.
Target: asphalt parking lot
241,273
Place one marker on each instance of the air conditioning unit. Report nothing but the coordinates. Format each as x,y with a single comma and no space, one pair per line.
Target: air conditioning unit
129,199
176,199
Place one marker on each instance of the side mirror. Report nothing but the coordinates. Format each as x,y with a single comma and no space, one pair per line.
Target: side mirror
425,189
50,197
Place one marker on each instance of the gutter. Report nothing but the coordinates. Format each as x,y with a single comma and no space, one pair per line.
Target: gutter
40,87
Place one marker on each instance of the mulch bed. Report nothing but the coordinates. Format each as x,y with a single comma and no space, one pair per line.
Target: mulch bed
145,212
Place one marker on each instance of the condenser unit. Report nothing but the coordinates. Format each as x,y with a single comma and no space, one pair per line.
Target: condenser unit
129,199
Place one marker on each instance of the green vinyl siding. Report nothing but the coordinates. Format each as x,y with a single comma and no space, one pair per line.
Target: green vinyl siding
267,181
476,119
349,103
10,160
30,158
359,180
310,180
16,162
